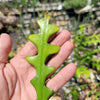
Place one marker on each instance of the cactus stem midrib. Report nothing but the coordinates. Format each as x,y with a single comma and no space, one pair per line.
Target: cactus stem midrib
40,69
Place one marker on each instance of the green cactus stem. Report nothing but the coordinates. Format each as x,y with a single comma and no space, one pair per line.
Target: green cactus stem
44,50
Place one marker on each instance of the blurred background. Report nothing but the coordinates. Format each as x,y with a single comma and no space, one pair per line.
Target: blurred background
18,18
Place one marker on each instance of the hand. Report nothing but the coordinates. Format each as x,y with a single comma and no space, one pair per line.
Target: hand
15,75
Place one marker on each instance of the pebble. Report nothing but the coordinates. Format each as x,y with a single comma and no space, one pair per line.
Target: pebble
55,98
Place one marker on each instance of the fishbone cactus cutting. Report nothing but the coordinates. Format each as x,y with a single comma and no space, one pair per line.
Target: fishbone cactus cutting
44,50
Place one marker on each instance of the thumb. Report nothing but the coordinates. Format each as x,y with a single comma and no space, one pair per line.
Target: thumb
5,47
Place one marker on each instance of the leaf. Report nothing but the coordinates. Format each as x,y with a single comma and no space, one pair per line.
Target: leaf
38,61
96,63
75,94
23,2
81,70
93,39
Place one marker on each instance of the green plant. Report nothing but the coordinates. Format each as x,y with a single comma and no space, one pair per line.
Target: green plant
96,63
94,2
95,91
74,3
38,61
74,93
81,70
85,50
78,3
92,39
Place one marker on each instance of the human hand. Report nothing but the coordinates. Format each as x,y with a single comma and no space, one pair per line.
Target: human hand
15,75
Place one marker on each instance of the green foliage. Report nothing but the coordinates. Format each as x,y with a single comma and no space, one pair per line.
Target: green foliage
23,2
77,3
74,3
95,92
84,52
96,63
74,93
38,61
81,70
94,2
93,39
19,3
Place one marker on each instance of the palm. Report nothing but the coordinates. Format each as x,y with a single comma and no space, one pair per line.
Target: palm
16,75
21,72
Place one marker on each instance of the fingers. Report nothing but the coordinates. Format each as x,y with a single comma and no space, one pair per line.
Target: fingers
30,49
63,54
62,37
62,77
5,47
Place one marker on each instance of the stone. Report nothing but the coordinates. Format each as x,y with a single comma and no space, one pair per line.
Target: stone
98,3
27,16
98,18
26,21
55,98
98,13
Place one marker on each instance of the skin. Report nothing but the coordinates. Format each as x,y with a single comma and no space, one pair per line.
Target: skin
15,75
